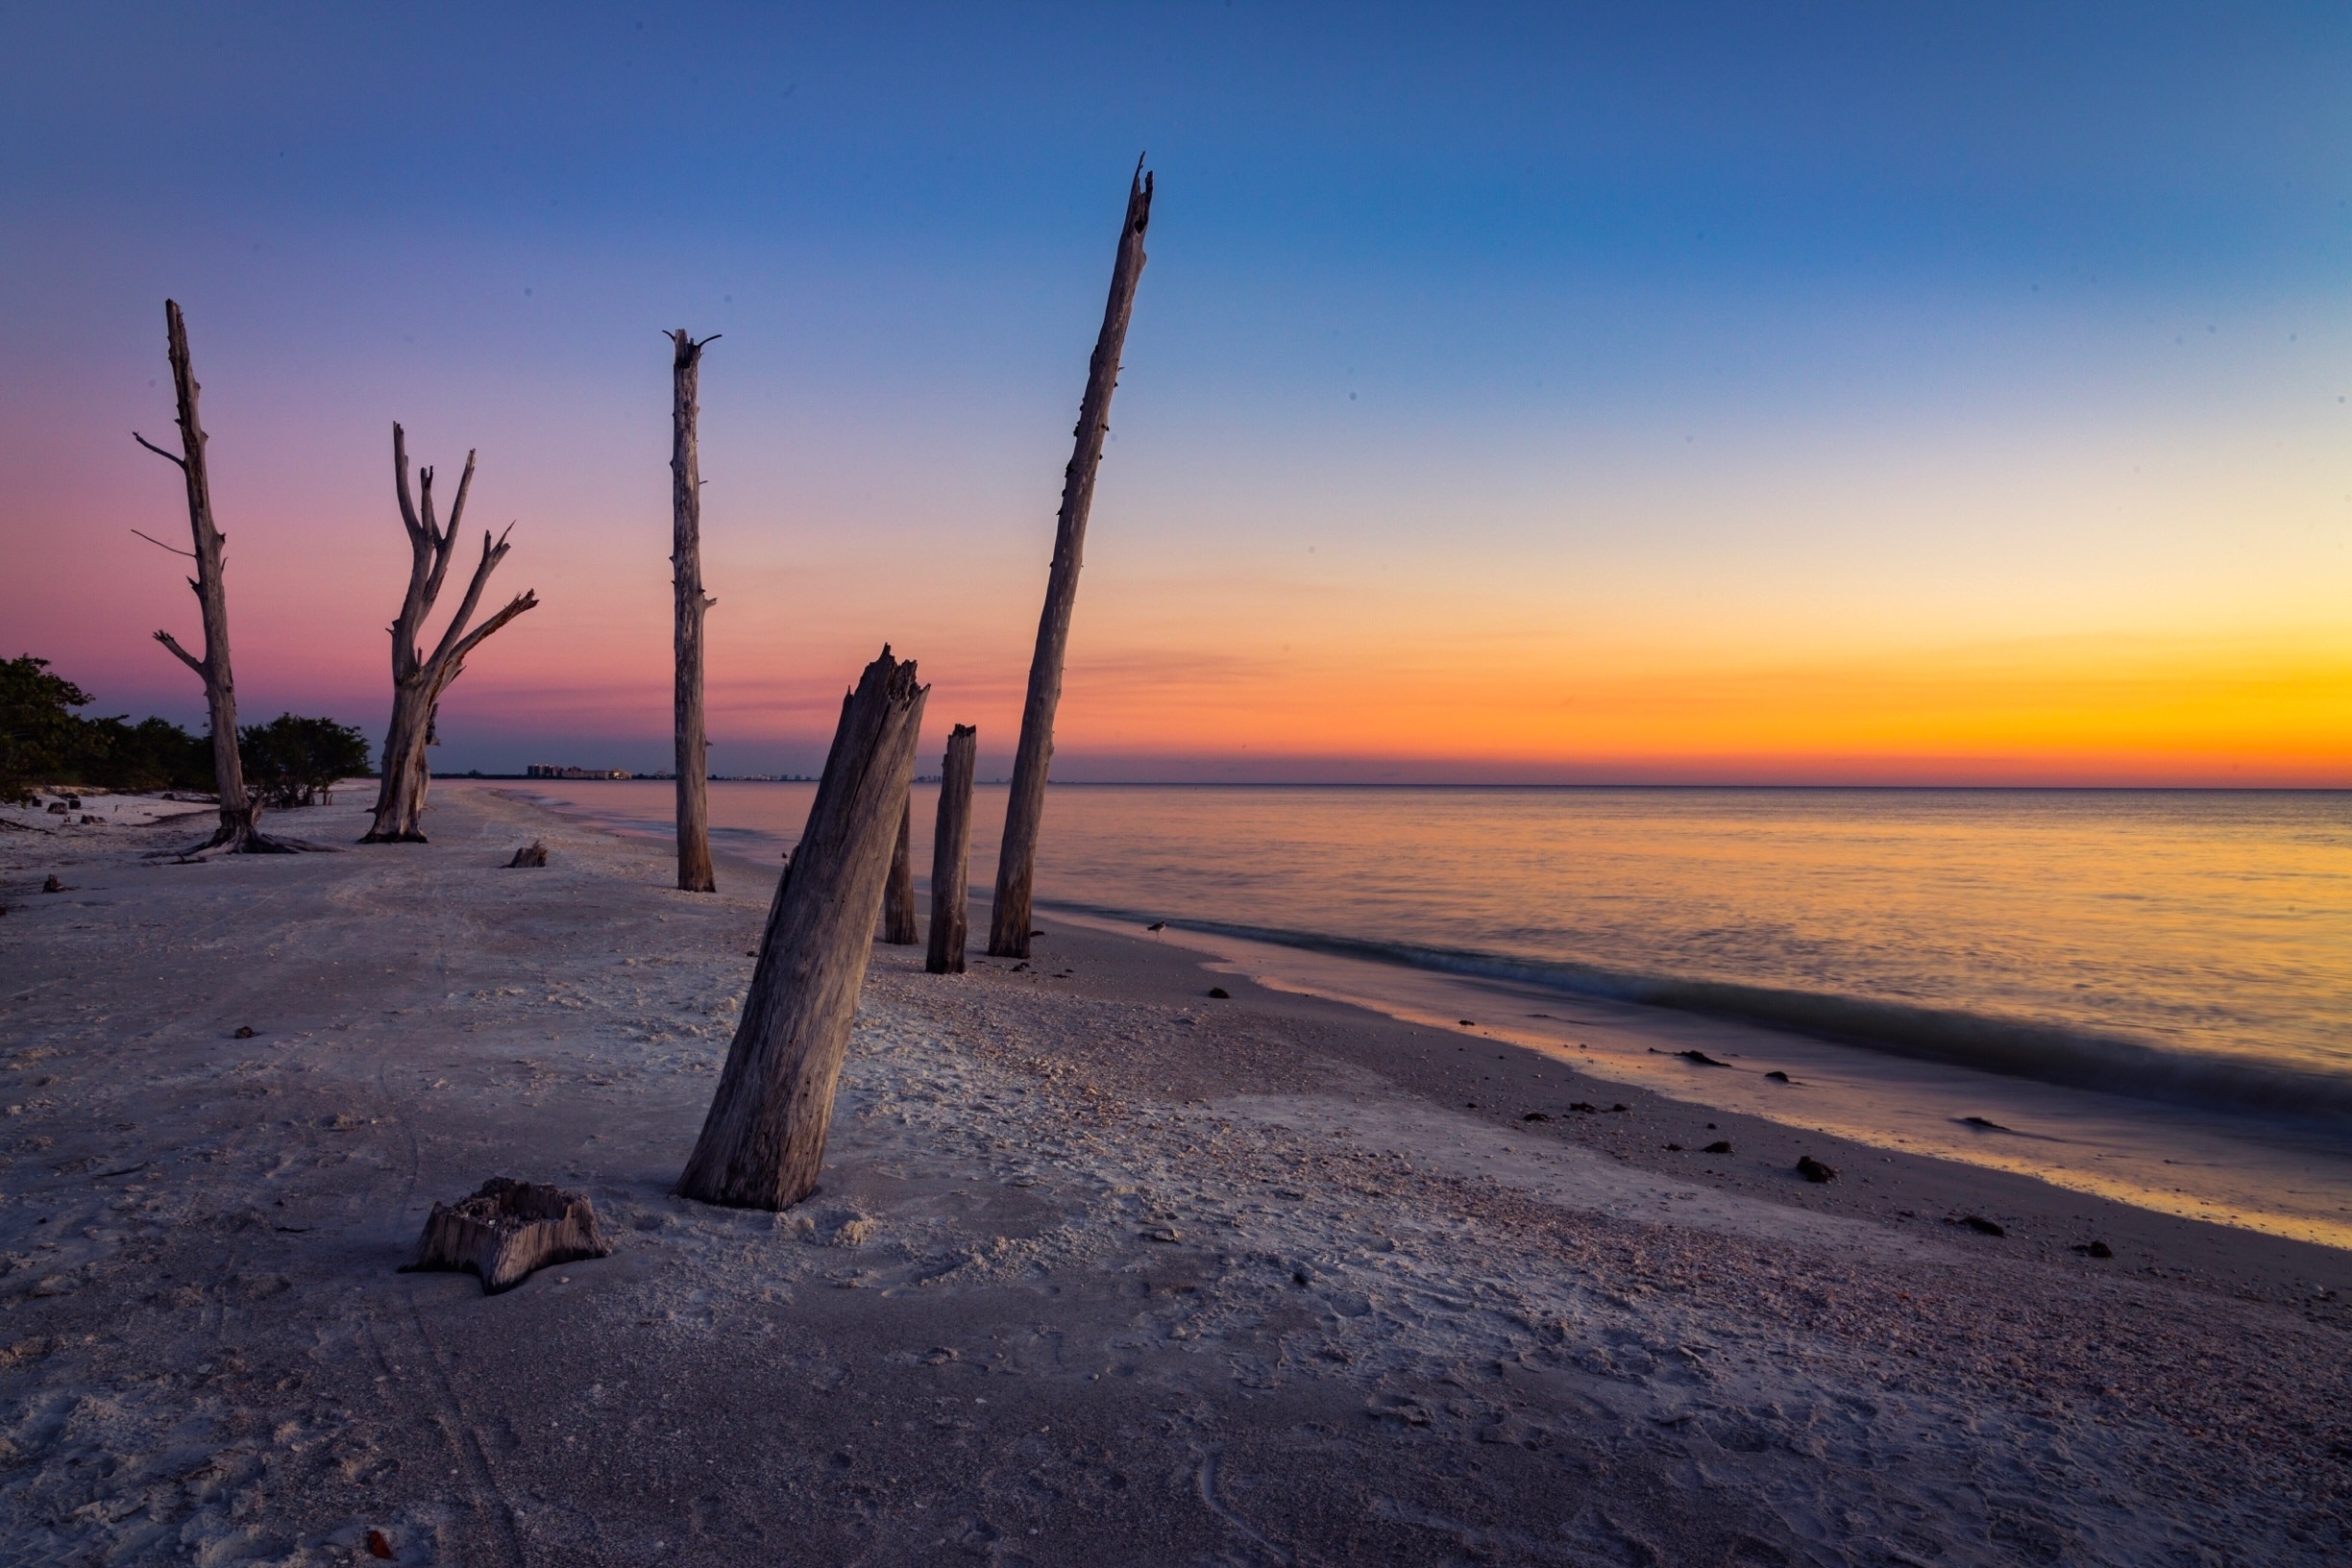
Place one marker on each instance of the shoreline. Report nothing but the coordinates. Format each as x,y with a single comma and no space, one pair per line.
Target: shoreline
2274,1173
1103,1269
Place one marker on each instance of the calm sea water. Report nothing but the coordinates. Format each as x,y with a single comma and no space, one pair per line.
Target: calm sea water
2191,948
2108,932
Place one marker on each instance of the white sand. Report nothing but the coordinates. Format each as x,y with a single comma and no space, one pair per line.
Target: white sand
1103,1272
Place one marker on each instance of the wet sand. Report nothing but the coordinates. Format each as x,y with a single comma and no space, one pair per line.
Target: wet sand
1104,1271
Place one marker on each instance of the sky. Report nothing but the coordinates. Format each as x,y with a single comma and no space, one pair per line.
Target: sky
1790,393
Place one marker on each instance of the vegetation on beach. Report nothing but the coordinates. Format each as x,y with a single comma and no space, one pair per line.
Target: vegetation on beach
291,761
298,762
44,741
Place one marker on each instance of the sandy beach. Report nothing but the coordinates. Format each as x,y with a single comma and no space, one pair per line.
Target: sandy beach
1104,1270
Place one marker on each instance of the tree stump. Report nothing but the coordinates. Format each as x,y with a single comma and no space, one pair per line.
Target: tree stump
531,854
898,893
763,1142
951,854
506,1231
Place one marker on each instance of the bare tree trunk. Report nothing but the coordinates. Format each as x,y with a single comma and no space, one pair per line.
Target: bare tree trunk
763,1142
951,854
418,682
686,576
240,812
898,893
1025,809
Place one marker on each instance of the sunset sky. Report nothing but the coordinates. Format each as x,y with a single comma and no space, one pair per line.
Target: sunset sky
1832,393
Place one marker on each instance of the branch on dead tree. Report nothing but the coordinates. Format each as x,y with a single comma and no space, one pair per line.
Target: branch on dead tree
445,542
159,450
400,479
161,545
527,600
493,552
186,657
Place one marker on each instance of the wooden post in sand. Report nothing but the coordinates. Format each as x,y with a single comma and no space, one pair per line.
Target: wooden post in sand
951,854
693,858
1025,809
763,1138
898,893
239,811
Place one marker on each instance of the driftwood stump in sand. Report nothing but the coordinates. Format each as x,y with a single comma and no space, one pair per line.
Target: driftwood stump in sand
898,893
693,856
239,810
951,854
530,855
506,1230
418,682
1025,808
763,1138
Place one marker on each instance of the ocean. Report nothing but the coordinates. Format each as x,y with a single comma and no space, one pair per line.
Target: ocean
2149,992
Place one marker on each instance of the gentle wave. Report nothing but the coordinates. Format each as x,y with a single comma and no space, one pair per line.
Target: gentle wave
2014,1047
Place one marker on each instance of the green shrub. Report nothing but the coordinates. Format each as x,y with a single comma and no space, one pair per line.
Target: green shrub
152,755
297,762
288,761
40,734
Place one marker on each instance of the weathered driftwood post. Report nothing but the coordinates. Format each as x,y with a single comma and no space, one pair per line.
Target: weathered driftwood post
239,811
763,1138
898,893
694,871
1025,810
418,682
951,854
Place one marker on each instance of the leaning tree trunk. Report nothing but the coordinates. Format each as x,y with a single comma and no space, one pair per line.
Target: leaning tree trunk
763,1138
417,680
1025,809
951,854
693,856
898,893
239,811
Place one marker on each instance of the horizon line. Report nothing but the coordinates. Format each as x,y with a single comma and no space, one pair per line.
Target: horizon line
1493,784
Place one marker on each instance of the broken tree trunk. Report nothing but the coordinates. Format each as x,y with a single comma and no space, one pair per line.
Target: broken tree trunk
693,868
239,811
763,1138
418,682
951,854
506,1230
1025,809
898,893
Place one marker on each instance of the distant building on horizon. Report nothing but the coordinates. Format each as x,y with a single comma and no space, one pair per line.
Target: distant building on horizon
549,770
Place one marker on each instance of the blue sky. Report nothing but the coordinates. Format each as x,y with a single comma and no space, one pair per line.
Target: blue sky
1627,334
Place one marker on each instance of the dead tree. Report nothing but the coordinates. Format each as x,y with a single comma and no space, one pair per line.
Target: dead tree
693,870
898,893
951,854
417,680
763,1138
239,811
1025,809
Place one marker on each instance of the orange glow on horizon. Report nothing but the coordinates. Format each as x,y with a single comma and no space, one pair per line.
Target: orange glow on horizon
2248,711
